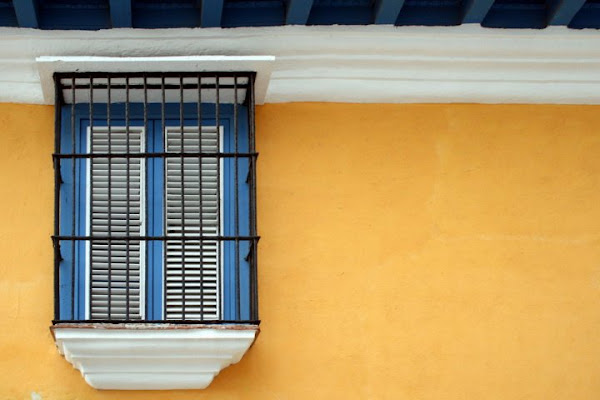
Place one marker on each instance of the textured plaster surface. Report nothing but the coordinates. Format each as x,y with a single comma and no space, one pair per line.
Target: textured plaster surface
408,252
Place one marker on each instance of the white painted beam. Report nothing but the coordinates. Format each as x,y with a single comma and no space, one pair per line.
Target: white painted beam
367,64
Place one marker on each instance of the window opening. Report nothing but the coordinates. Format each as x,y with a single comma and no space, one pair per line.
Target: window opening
155,204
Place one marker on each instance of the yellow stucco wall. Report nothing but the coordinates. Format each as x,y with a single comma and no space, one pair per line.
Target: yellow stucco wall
408,252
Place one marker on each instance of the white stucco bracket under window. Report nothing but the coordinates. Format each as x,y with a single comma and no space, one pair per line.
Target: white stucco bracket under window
152,356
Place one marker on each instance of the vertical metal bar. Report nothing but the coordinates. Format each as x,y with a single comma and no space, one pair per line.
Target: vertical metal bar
91,161
73,199
109,243
146,198
127,196
164,193
57,183
253,230
236,199
182,147
220,244
200,194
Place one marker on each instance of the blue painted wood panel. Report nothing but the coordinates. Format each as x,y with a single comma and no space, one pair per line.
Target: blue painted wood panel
120,13
8,16
524,14
438,13
211,13
345,12
387,11
475,11
26,12
298,12
72,270
105,14
562,12
89,15
264,13
588,16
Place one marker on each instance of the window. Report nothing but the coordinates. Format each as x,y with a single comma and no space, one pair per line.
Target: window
155,198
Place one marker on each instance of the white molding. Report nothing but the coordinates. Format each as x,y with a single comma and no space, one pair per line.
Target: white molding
48,65
152,357
356,64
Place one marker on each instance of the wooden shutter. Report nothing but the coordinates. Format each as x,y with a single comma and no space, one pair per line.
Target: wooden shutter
192,267
105,255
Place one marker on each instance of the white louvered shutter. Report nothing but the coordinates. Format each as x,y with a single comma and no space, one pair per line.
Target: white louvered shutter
192,267
103,253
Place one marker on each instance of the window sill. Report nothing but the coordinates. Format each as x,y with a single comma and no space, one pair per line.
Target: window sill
152,356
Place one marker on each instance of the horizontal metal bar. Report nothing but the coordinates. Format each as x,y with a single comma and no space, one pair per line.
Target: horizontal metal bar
157,238
154,87
154,321
240,74
156,155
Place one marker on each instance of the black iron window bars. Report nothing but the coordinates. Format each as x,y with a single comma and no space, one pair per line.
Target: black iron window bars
155,198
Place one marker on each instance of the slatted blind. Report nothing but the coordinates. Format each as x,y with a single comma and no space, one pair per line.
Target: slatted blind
192,267
115,267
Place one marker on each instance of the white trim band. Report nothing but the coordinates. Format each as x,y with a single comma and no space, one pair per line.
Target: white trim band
262,65
358,64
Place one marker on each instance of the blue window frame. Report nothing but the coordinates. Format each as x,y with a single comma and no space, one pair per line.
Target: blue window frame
237,290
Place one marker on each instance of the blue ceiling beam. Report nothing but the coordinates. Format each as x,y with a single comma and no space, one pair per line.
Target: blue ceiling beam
211,13
120,13
27,12
587,17
387,11
562,12
474,11
298,11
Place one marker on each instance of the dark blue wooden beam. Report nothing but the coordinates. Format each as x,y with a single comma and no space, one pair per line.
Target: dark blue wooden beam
587,17
562,12
211,13
298,11
474,11
387,11
27,12
120,13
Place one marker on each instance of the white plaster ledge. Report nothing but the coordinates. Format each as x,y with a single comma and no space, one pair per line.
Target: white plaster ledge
262,65
152,356
355,64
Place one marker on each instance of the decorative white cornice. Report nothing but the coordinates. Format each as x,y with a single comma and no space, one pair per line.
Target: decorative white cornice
152,356
357,64
262,65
